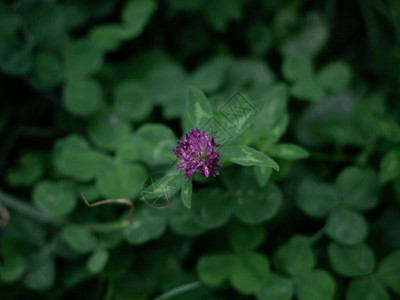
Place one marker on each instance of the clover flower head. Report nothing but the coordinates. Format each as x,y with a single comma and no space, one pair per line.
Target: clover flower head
197,153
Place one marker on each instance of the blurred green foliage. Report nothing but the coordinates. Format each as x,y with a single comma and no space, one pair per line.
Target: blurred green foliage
94,95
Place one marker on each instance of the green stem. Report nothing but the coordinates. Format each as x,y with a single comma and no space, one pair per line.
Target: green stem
110,290
108,227
178,290
317,236
22,207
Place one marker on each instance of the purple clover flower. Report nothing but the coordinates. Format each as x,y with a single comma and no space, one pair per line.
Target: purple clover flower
197,153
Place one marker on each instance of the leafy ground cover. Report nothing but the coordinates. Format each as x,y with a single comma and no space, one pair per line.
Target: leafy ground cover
301,96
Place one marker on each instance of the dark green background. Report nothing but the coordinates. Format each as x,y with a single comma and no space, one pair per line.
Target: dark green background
93,97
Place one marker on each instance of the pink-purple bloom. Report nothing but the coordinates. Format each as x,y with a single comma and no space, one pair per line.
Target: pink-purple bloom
197,153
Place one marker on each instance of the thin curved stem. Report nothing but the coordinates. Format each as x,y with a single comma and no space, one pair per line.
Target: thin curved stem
179,290
108,201
22,207
317,236
110,290
108,226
